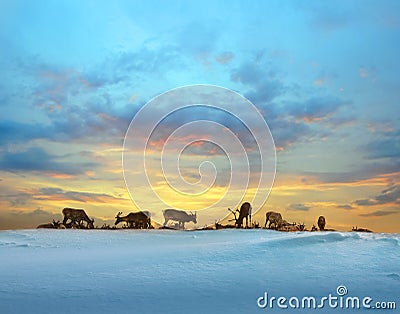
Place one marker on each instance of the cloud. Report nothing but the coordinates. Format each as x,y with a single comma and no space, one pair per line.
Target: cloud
364,202
52,86
289,121
299,206
329,21
224,57
95,121
265,92
196,113
87,105
287,133
320,80
388,196
387,145
261,79
367,73
341,119
16,132
263,89
357,174
16,199
326,17
29,219
58,194
71,123
135,64
345,206
380,213
249,73
37,159
198,39
84,106
316,108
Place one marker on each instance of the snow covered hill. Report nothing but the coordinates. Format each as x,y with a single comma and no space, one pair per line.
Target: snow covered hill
154,271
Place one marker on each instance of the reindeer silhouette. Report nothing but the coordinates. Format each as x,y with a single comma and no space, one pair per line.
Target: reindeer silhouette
273,218
76,218
244,212
321,223
137,220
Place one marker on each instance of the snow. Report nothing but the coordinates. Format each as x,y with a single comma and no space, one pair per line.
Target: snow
161,271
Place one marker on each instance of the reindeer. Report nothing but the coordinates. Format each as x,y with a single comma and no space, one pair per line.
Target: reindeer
289,227
321,223
273,218
50,225
138,220
179,216
244,212
76,217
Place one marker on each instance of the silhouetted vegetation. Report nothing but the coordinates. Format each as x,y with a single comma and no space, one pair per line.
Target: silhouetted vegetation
356,229
50,225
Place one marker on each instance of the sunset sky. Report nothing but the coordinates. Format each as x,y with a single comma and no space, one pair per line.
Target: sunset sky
324,75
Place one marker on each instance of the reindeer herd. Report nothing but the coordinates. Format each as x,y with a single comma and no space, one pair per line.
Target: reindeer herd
138,220
78,219
176,219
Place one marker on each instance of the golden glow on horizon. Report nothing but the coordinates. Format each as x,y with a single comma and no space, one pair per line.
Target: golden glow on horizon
102,193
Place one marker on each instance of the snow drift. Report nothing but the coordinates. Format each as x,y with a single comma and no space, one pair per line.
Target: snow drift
153,271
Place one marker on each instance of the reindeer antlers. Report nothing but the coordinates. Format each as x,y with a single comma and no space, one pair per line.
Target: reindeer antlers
233,212
119,214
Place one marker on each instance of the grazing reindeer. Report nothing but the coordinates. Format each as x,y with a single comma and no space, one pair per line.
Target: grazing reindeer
76,217
273,218
179,216
50,225
321,223
138,220
244,212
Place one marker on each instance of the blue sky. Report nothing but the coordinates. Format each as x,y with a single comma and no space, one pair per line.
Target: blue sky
324,75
